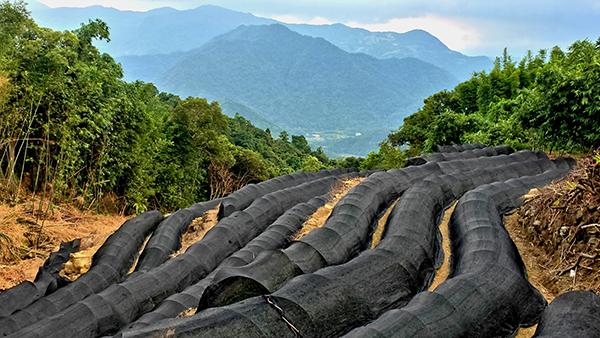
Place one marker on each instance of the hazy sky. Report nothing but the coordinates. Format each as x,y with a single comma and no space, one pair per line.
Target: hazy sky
473,27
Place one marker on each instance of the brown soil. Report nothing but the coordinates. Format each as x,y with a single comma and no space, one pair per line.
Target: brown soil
442,273
558,226
378,233
534,258
187,313
28,236
556,231
319,217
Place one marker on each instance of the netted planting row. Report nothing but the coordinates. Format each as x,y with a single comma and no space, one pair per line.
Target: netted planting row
487,293
454,148
246,195
166,239
449,156
121,303
277,235
335,299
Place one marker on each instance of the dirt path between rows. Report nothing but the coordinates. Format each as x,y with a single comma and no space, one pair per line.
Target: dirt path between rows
319,217
381,222
442,273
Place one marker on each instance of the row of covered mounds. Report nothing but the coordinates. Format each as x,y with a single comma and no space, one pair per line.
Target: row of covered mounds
242,198
166,239
118,305
333,300
277,235
46,281
454,148
487,293
344,234
109,265
449,156
572,314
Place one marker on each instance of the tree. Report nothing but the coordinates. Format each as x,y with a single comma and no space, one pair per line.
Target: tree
312,164
71,127
541,103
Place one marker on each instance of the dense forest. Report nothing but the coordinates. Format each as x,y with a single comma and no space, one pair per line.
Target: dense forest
73,130
549,101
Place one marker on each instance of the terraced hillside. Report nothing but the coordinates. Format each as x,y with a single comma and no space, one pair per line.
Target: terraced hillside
333,253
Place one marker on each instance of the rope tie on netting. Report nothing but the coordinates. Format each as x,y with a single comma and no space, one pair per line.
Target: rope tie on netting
281,313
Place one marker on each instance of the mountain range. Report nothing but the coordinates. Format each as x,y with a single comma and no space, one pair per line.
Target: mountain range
415,43
162,30
344,88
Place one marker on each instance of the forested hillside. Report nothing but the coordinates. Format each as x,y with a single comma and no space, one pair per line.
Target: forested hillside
299,83
548,101
72,129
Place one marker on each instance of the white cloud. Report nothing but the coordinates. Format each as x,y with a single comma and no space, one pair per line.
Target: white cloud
295,20
455,34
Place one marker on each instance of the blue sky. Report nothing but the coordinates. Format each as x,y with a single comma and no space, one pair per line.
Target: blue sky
473,27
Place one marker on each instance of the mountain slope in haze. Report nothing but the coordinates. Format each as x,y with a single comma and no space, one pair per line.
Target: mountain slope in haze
148,68
158,31
416,43
167,30
304,84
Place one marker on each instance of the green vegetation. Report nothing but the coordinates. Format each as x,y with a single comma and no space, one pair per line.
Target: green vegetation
72,129
548,101
301,84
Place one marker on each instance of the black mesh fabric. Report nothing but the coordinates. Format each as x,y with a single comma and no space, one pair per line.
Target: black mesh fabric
347,230
465,153
486,293
244,196
453,148
121,303
166,239
277,235
328,282
334,299
572,314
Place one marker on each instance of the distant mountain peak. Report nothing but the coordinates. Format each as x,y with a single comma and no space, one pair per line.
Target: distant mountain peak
422,36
